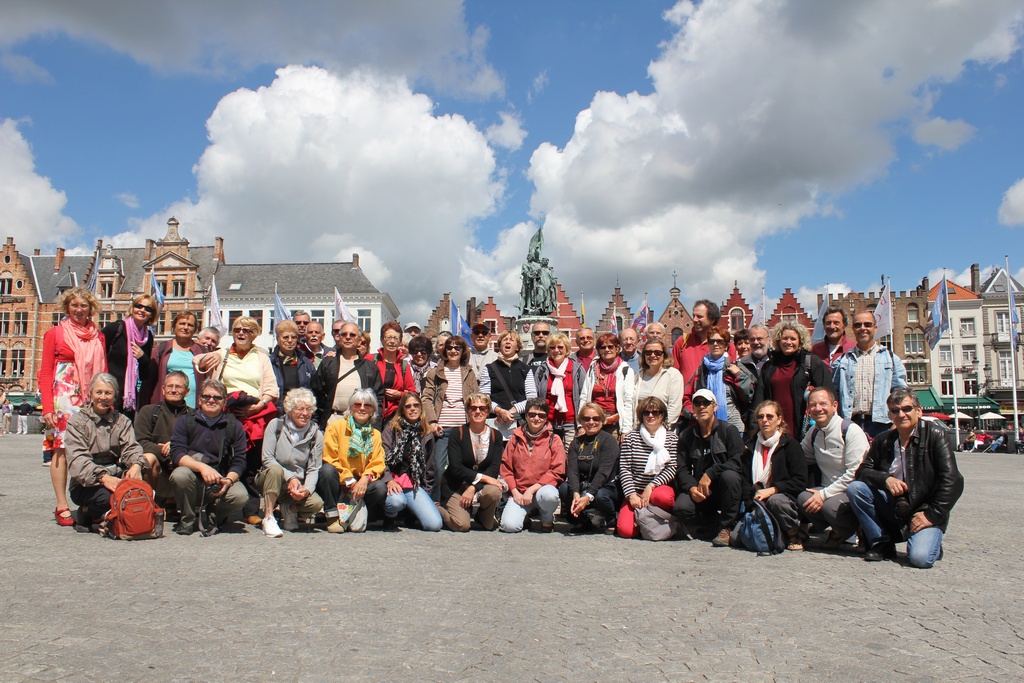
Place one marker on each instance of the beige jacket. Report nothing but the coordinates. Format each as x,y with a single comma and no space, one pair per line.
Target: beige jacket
98,445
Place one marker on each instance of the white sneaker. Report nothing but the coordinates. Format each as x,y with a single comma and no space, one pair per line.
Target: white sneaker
289,517
270,527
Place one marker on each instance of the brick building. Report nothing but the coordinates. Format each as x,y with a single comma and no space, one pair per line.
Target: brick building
675,317
735,311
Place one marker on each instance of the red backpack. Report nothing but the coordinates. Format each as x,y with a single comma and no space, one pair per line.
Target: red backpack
133,513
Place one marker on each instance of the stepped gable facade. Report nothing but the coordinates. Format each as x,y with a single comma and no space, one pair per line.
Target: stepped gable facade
736,314
675,317
789,309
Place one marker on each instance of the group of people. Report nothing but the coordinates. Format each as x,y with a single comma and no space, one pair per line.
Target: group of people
616,435
9,412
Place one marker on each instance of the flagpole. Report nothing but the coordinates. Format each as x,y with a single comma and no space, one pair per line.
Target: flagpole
953,356
583,310
1012,313
888,293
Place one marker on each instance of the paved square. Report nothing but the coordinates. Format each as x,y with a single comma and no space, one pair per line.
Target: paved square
487,606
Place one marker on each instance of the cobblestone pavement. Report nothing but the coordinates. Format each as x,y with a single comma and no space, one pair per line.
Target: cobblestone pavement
487,606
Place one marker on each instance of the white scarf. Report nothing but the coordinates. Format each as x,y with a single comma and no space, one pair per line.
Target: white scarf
760,470
558,384
659,456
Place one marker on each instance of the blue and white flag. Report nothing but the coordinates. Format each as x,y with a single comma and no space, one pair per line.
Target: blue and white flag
280,312
640,319
459,326
155,289
819,325
939,322
1014,318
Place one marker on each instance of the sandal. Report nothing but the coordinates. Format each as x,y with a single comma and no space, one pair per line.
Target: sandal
63,516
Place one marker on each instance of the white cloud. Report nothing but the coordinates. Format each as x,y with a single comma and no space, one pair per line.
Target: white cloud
428,40
762,113
315,167
128,199
31,209
540,82
508,134
24,70
1011,210
808,296
942,133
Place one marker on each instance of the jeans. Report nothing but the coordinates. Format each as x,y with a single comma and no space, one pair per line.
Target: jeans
606,502
545,500
875,509
419,502
440,463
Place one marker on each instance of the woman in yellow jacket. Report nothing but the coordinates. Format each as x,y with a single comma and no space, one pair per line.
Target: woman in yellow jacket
350,478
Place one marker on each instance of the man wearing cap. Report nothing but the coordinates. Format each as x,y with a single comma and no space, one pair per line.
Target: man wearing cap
411,329
708,469
480,353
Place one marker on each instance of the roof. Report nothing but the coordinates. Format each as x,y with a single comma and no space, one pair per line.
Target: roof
955,292
996,284
291,279
73,272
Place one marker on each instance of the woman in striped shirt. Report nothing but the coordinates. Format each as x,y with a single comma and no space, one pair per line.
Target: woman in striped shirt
444,388
647,465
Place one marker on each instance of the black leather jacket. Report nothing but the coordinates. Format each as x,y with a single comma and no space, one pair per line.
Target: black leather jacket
935,483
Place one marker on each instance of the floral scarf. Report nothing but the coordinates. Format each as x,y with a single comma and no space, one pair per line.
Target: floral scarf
360,444
408,455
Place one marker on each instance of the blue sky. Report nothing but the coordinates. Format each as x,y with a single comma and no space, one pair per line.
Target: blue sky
777,144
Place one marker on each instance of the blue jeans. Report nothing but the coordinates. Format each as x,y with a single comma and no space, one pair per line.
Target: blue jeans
875,509
545,500
421,504
440,463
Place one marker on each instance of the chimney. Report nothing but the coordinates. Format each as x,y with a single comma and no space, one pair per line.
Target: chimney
35,252
975,278
925,287
10,241
218,249
355,260
59,259
471,311
149,249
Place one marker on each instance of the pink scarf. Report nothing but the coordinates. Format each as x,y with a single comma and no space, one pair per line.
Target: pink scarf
131,372
558,384
87,350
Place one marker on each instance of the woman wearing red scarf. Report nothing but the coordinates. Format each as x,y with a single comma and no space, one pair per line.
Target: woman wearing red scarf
72,354
129,347
393,368
559,381
611,384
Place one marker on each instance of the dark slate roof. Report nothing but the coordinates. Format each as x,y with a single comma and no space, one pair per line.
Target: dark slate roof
293,279
136,278
73,272
996,284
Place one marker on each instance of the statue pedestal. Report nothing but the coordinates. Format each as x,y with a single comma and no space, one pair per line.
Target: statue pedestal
525,325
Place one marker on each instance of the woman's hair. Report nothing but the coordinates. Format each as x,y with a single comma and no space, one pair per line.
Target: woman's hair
297,397
783,427
590,405
364,396
608,338
515,336
805,337
285,326
420,343
393,327
479,397
560,338
103,378
741,336
146,300
248,323
721,332
79,293
396,420
180,315
666,357
464,358
650,403
214,384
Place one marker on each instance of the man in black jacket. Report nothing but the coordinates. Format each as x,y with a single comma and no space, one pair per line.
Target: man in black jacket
708,468
906,486
347,368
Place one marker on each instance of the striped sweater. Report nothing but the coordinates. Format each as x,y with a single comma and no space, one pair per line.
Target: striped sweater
633,458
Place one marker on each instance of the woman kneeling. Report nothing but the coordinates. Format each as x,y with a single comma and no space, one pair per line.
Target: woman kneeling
409,455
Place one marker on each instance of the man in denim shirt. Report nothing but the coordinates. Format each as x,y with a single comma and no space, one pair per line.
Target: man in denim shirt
866,376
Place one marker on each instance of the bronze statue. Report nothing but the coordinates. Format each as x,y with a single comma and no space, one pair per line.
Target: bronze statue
539,293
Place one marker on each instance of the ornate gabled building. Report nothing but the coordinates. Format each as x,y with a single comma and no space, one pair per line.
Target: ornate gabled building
617,315
735,311
790,310
675,317
1000,361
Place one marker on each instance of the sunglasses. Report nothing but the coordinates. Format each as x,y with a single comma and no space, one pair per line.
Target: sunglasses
540,333
449,347
536,416
241,330
590,418
716,342
767,417
652,413
211,397
346,335
144,307
701,403
361,406
417,406
477,409
858,326
656,354
906,410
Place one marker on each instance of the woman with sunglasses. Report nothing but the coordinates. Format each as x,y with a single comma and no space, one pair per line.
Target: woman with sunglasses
590,492
659,379
775,471
177,353
444,391
394,368
129,347
420,350
610,383
732,385
509,382
560,381
647,465
471,487
72,355
409,456
350,478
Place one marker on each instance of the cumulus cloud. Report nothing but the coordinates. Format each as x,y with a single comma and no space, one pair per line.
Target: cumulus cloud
31,209
428,40
734,145
315,167
942,133
1011,210
509,133
808,296
128,199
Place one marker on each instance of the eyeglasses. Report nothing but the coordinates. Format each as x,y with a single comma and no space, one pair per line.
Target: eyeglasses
701,403
766,417
306,410
361,406
536,416
716,342
652,413
213,398
583,339
906,410
589,418
557,347
858,326
392,338
477,409
144,307
656,354
540,333
241,330
607,347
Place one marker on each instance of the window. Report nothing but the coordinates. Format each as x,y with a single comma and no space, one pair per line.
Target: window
1005,367
17,362
618,323
317,315
789,318
232,316
6,286
736,319
492,325
945,356
912,314
363,319
178,288
55,319
970,387
967,327
1003,322
20,324
3,362
947,387
913,343
106,317
5,324
969,354
234,286
916,373
162,284
106,290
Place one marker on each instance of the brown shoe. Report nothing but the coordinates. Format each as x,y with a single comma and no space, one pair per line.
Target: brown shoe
547,528
722,539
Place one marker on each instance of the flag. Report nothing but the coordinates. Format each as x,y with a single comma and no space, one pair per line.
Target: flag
757,318
883,314
459,326
216,317
1014,318
640,320
91,286
615,321
939,323
583,311
819,324
155,290
341,311
280,312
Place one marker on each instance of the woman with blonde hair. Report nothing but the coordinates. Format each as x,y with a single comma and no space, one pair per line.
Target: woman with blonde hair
659,379
559,381
408,444
509,383
129,348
